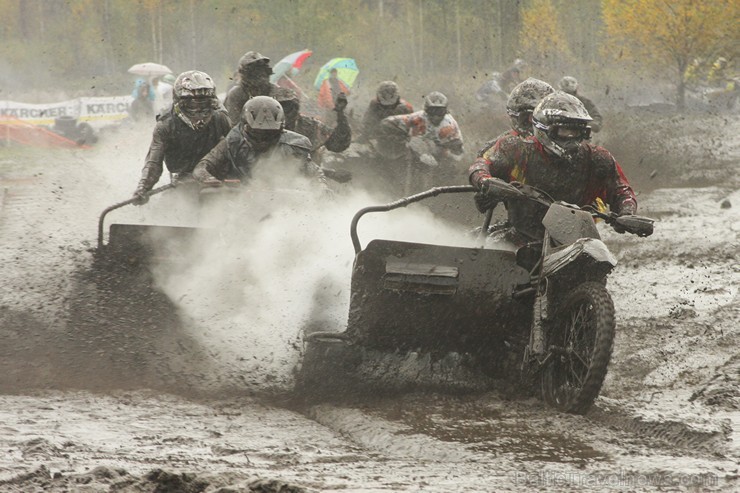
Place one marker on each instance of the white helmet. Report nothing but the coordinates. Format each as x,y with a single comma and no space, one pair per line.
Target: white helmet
568,84
263,113
388,93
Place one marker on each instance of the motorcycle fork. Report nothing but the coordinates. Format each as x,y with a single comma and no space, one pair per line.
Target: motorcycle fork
536,349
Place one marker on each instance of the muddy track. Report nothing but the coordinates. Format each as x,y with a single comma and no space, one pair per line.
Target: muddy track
667,412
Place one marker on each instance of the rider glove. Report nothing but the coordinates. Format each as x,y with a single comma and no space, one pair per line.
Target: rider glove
340,103
483,202
428,160
141,196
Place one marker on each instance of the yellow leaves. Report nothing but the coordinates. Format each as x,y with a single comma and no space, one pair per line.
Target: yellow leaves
667,32
542,37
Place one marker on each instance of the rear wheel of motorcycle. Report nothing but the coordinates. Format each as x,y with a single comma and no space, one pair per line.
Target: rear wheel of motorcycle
581,340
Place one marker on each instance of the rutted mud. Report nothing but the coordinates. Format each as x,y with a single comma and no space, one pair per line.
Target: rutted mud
78,350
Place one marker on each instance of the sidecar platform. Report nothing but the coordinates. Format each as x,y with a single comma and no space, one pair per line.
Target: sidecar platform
419,299
408,296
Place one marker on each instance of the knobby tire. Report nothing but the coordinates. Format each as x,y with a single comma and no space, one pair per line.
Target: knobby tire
590,308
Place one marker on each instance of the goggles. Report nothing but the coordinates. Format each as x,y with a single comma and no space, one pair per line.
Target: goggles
436,111
257,69
570,133
565,131
196,107
262,135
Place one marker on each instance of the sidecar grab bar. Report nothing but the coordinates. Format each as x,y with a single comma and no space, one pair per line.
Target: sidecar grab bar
432,192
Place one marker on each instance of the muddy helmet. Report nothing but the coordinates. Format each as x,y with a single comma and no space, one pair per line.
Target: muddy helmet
263,113
561,123
568,84
250,58
263,121
194,96
519,64
388,93
435,107
291,104
522,100
193,84
435,100
282,94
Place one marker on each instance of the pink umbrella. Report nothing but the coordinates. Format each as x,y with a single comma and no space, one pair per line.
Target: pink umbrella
290,65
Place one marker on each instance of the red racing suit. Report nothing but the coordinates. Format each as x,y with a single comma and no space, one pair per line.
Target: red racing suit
591,174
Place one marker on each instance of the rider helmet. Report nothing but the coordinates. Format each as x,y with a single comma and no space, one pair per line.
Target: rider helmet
388,93
263,121
561,123
522,100
568,84
254,66
291,104
435,107
194,96
519,65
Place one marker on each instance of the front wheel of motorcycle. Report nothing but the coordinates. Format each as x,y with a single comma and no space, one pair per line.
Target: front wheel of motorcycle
580,341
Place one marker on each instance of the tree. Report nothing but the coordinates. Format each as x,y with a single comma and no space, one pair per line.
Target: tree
543,42
669,34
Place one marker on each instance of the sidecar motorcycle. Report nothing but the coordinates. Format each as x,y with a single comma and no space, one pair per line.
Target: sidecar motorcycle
535,287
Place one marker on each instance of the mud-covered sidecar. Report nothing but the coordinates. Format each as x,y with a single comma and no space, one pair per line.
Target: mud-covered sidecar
538,296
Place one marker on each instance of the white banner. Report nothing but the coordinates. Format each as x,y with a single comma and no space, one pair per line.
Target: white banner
104,109
97,111
39,114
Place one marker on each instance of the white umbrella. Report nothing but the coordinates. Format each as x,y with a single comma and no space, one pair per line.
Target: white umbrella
150,69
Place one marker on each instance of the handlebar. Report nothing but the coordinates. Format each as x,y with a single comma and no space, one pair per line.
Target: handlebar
637,225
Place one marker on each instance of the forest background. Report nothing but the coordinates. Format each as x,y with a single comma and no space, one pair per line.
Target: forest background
614,47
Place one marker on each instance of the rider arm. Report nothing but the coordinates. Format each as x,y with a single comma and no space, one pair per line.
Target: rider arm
495,162
152,170
396,126
449,142
609,183
214,165
234,97
340,138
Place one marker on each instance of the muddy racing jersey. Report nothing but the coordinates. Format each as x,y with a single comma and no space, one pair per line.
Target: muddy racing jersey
321,135
238,95
591,174
180,147
234,158
488,145
446,136
376,112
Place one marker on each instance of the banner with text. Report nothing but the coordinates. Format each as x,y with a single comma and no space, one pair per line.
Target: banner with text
97,111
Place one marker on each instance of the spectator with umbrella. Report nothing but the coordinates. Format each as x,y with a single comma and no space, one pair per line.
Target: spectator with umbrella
335,77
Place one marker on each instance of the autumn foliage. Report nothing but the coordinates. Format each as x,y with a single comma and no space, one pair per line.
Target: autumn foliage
668,35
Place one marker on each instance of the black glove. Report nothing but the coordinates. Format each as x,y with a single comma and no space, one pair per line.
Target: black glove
618,227
484,202
340,103
141,196
488,186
